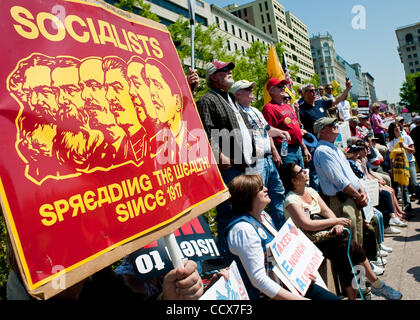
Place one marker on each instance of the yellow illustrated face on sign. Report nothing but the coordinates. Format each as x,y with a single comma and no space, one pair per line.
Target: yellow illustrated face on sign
93,93
165,103
288,120
139,90
38,91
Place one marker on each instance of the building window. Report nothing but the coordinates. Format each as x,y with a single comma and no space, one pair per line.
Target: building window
264,30
269,28
409,56
228,45
268,17
246,36
217,20
252,37
262,19
239,14
236,46
408,49
233,30
415,55
412,71
260,7
245,12
243,50
240,33
409,38
266,5
180,10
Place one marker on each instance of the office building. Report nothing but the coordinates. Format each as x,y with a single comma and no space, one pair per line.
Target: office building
272,18
368,83
326,64
409,47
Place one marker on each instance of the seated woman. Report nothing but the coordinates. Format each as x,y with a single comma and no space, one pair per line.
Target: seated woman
247,236
305,206
388,202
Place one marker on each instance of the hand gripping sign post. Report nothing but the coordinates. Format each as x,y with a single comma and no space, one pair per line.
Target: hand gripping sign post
102,148
154,260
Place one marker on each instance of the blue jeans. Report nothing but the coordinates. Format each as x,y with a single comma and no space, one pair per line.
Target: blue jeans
413,176
271,179
380,218
313,177
294,154
316,292
224,210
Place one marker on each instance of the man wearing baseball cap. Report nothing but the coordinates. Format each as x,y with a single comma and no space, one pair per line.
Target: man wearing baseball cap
267,154
282,116
229,133
336,178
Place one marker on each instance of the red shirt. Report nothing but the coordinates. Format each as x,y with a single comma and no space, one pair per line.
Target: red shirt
283,117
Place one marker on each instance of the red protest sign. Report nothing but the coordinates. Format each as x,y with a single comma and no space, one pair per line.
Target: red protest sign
102,148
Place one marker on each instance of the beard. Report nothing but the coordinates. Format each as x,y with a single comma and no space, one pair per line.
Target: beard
72,119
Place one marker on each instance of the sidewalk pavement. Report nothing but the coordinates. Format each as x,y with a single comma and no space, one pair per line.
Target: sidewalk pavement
402,271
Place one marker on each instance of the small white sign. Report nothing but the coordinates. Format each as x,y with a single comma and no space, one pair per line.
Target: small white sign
232,289
296,257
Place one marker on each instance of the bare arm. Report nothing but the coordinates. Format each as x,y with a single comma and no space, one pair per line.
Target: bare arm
304,222
342,96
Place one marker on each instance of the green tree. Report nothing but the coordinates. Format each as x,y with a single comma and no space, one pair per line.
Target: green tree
253,67
4,267
408,94
315,80
138,7
209,45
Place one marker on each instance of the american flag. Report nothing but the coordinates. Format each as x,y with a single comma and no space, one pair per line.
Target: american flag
287,73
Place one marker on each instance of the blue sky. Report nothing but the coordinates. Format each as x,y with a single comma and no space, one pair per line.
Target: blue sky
375,48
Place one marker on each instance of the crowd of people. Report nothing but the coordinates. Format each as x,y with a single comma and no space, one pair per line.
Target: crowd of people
291,166
282,162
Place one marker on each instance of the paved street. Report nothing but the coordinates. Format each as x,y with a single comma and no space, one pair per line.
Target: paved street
402,271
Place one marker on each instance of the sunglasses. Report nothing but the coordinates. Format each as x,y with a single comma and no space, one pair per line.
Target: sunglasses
332,125
300,171
287,98
225,69
311,91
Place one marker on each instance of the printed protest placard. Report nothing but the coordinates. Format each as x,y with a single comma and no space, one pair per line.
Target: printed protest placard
372,190
195,241
231,289
296,257
102,148
388,120
344,134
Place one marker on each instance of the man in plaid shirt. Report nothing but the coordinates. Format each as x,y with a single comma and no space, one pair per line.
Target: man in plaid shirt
228,130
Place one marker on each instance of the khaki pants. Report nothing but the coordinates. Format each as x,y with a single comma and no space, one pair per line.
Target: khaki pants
349,210
384,176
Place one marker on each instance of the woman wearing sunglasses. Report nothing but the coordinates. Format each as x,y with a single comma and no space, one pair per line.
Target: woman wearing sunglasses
311,214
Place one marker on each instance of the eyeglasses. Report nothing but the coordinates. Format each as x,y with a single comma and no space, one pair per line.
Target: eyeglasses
332,125
225,69
311,91
300,171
